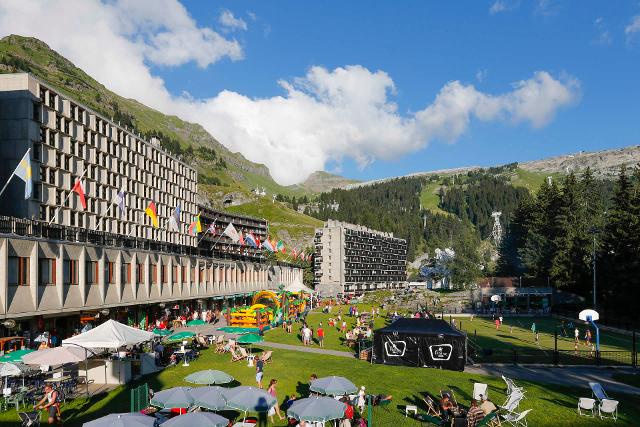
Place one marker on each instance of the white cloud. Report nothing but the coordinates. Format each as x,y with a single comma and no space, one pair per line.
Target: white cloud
546,8
500,6
319,119
633,27
481,75
604,35
230,22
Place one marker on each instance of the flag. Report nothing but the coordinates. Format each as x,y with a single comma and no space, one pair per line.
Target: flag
174,219
258,242
78,187
309,258
120,201
241,239
267,245
231,232
280,247
195,227
23,171
301,255
212,228
294,254
250,240
151,213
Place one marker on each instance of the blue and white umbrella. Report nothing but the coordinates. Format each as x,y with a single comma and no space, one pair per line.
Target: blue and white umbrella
131,419
333,386
316,409
197,419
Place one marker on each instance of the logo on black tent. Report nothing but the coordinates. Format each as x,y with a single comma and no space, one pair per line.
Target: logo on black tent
441,351
395,348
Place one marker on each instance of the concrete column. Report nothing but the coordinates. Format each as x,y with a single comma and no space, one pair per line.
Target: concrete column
82,276
102,287
146,279
117,271
134,276
33,274
59,274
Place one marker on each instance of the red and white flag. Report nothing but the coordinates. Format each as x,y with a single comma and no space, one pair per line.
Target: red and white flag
78,187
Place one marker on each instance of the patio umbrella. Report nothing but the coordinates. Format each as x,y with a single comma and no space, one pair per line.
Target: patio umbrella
180,336
199,419
162,332
316,409
196,322
14,369
15,356
56,356
209,377
176,397
248,399
131,419
250,339
209,397
333,386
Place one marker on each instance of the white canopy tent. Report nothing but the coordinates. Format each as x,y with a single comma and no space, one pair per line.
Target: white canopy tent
109,335
298,287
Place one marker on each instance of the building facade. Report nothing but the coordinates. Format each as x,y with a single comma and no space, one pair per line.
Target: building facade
69,141
352,258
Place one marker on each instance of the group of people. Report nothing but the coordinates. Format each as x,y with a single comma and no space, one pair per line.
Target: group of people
477,411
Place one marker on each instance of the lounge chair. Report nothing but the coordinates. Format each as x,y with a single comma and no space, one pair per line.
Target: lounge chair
432,406
512,402
516,419
598,391
480,391
452,396
236,355
608,407
511,386
266,357
489,420
243,352
586,404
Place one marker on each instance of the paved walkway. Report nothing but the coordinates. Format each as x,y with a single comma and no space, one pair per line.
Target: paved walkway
304,349
578,377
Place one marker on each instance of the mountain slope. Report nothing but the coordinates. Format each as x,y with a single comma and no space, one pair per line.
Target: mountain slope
220,171
321,181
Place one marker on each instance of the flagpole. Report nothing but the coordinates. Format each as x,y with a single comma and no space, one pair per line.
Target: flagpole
206,231
7,183
107,211
55,215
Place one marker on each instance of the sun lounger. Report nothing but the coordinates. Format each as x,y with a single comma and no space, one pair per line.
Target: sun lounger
516,419
609,407
236,355
512,402
266,357
586,404
598,391
432,406
452,396
480,391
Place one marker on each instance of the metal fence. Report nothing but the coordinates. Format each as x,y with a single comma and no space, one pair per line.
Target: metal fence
139,398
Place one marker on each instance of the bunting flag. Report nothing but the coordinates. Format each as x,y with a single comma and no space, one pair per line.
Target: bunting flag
212,228
302,256
78,188
294,254
231,232
241,239
152,213
23,171
195,227
174,219
120,201
250,240
280,247
267,245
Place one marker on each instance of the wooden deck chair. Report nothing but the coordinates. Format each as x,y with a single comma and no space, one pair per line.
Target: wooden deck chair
236,355
452,396
243,352
266,357
220,344
432,406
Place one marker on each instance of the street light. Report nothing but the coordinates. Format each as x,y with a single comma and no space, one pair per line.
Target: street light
594,230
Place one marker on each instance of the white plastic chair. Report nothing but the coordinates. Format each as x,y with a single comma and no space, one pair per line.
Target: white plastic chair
517,419
480,391
587,404
609,407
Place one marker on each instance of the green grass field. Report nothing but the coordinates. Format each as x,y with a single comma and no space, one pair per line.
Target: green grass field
551,405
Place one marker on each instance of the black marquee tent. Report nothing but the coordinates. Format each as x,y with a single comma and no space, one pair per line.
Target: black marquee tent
420,342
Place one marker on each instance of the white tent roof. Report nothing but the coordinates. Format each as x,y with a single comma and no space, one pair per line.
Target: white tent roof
298,287
56,356
110,334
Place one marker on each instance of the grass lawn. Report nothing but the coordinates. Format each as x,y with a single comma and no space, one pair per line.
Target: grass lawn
552,405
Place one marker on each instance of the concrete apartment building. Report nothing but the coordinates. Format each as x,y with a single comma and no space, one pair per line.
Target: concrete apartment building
59,264
352,258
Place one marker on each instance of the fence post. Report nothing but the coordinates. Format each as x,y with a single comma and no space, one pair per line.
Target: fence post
555,347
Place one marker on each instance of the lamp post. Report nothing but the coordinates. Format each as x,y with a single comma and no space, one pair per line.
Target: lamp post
594,230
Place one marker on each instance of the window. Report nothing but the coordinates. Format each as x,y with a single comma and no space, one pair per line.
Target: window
184,274
18,271
47,272
153,278
70,271
139,273
109,277
163,273
91,272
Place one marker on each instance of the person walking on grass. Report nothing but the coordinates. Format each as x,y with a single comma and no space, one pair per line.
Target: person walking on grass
320,333
533,328
275,409
259,372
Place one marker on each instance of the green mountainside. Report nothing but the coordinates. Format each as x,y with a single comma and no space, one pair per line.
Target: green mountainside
221,172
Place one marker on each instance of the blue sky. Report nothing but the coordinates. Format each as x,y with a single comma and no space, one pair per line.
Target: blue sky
371,89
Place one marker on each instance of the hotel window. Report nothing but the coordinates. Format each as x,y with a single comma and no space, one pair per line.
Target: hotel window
70,271
140,273
109,277
47,272
18,271
184,274
91,272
